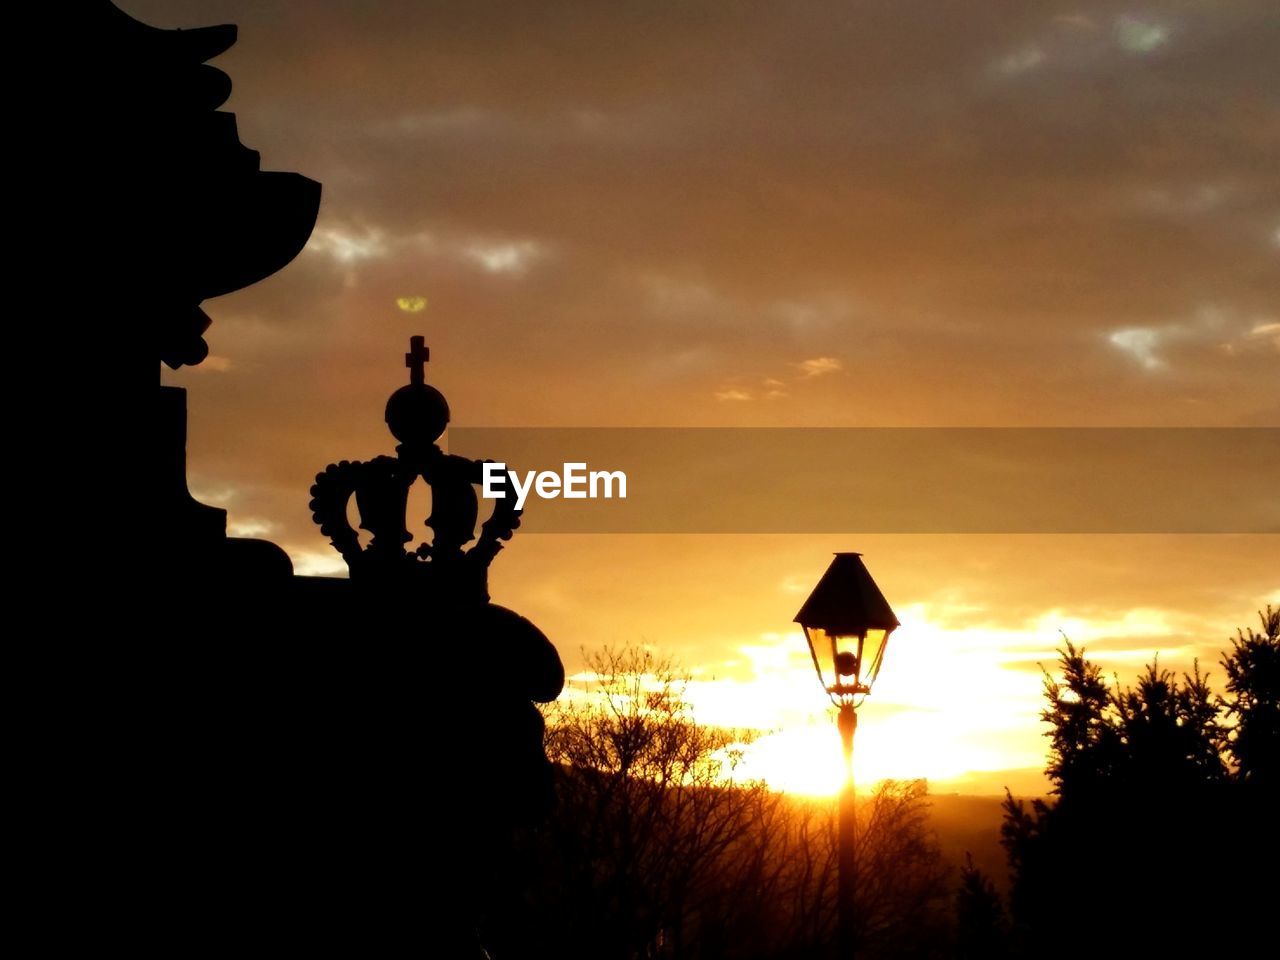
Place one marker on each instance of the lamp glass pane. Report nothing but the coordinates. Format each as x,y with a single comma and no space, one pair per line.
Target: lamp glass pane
872,655
822,648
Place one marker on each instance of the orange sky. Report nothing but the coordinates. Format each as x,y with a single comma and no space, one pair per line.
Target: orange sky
862,214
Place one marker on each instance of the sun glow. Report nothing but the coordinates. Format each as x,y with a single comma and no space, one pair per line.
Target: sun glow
807,760
950,703
957,703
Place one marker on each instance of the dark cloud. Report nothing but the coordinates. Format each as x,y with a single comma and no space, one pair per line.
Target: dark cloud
994,183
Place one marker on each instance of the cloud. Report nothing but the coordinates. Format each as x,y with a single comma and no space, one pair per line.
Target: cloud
820,366
1225,329
511,258
1076,21
452,121
317,563
1022,60
774,389
251,527
1139,35
215,363
1140,343
1268,331
348,245
357,247
214,494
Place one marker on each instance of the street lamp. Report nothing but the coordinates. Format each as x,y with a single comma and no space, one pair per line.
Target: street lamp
847,623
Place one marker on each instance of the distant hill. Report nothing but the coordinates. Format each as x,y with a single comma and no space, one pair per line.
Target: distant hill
967,813
971,824
1024,782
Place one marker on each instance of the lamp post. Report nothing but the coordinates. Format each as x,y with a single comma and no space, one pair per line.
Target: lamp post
847,623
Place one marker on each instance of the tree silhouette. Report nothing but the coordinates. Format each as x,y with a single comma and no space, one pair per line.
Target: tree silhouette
902,882
1253,701
1153,784
654,850
981,928
1169,730
1086,746
647,825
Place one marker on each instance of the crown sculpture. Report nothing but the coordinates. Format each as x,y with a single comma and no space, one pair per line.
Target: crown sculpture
446,585
444,568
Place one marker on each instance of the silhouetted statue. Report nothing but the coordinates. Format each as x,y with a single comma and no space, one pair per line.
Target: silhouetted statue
196,217
501,771
249,756
148,205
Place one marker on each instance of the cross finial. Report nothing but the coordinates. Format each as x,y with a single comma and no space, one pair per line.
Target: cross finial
416,359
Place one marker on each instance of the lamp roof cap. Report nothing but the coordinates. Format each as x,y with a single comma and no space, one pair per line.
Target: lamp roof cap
847,601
